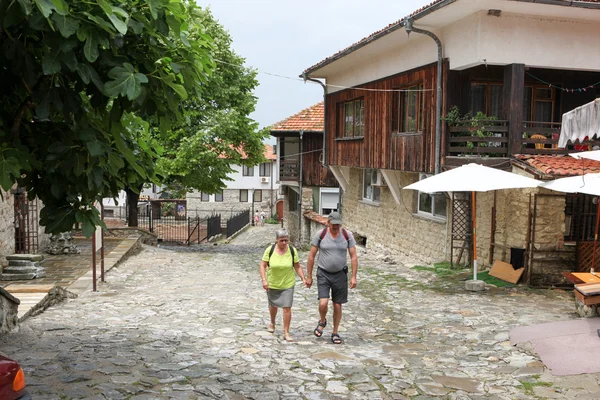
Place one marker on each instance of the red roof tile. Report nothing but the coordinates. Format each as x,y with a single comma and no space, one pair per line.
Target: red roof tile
310,119
394,26
559,166
268,153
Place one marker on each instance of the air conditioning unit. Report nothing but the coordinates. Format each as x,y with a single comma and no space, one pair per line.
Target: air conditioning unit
264,179
377,178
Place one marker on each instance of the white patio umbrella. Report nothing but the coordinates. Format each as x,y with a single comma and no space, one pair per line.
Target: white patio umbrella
587,184
588,155
473,178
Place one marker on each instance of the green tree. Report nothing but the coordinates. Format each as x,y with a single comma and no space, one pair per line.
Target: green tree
218,131
81,83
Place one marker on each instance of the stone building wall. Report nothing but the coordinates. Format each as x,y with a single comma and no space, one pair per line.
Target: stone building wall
230,205
392,227
9,306
298,227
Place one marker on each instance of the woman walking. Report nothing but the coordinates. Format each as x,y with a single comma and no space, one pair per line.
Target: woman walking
277,267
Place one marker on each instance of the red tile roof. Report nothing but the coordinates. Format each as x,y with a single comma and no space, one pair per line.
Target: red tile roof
396,25
310,119
559,166
268,153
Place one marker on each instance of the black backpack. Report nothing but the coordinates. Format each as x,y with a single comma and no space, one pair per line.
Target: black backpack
292,250
344,233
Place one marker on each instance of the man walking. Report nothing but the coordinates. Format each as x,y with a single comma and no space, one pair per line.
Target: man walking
332,243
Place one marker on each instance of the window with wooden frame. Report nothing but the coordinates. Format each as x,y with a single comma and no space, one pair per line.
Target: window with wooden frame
247,171
257,197
431,204
204,197
353,118
264,169
219,196
408,109
538,103
487,98
243,195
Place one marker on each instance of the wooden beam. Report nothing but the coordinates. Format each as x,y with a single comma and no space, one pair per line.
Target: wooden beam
514,86
393,184
342,174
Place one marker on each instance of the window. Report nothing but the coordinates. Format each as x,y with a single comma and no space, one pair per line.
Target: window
408,110
487,98
247,171
293,199
257,196
264,169
353,118
204,196
371,182
219,196
329,200
243,195
538,104
431,204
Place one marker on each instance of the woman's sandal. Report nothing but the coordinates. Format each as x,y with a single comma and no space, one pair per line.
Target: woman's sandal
271,328
336,339
319,329
288,338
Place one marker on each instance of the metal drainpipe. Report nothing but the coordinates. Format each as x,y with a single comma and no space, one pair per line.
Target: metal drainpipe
438,103
300,198
324,86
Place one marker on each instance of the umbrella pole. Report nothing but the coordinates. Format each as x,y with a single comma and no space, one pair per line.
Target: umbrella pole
474,221
596,236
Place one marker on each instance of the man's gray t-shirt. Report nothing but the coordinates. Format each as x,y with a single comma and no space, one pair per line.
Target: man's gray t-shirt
332,252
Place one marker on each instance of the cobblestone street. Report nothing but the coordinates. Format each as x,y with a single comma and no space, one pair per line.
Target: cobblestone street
190,322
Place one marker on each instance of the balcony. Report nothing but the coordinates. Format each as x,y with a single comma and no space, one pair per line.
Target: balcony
489,141
289,170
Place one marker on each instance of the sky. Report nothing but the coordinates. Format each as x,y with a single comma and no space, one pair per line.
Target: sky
285,37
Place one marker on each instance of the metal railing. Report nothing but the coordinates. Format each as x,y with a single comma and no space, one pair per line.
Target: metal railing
237,222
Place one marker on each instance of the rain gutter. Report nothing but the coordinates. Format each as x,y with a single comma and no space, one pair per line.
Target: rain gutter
324,86
438,100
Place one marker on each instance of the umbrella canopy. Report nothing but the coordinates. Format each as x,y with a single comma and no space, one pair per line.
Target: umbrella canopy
473,178
587,184
588,155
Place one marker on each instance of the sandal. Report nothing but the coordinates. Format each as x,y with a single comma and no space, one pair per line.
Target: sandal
288,338
319,329
336,339
271,328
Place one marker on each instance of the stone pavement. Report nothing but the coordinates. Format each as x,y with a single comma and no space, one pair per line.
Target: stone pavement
190,323
71,272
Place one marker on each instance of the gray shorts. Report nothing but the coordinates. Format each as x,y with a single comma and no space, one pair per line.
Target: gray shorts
334,282
281,298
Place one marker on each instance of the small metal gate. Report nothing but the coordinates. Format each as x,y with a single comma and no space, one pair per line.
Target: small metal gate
26,224
461,228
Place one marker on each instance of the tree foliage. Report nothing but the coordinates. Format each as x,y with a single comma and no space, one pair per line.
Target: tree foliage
217,130
81,84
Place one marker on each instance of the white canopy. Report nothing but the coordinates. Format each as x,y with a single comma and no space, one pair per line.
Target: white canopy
473,178
579,123
588,155
587,184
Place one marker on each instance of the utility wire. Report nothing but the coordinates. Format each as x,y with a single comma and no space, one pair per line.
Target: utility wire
326,84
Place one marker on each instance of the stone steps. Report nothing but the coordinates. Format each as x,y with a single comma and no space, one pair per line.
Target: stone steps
23,267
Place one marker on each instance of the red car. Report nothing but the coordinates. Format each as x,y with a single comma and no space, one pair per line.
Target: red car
12,380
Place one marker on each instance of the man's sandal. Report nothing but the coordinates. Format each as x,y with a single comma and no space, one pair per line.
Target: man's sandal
336,339
319,329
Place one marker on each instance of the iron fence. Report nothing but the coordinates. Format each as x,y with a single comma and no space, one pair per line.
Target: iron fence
213,225
237,222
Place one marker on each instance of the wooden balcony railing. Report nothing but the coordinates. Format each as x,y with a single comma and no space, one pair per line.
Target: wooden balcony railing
289,170
490,138
478,138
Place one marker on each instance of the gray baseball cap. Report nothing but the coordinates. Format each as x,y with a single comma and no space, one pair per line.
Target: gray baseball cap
335,218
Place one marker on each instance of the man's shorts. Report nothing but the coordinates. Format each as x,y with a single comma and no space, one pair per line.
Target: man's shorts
336,283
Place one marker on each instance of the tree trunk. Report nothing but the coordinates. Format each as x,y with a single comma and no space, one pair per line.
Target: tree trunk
132,209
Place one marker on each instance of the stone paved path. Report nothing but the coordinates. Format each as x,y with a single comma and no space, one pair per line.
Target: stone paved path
190,323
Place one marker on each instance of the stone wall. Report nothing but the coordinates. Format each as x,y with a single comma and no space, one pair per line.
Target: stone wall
298,227
392,227
230,205
9,306
7,228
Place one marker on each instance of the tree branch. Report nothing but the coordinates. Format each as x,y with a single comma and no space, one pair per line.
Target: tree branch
25,106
